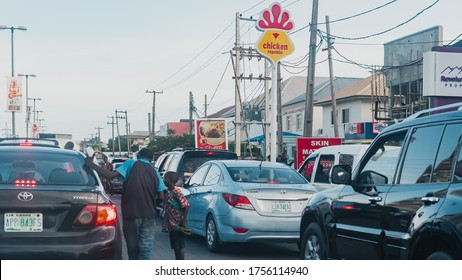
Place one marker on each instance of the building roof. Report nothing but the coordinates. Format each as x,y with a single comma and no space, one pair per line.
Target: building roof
363,88
180,128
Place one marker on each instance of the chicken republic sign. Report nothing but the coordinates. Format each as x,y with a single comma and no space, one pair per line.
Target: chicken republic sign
274,43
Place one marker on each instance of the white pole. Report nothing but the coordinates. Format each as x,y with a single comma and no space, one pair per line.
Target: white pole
274,112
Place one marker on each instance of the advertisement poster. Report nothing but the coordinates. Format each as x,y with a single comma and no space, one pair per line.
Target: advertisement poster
14,94
211,134
306,146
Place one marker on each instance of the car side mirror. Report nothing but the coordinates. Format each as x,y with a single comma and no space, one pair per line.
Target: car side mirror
341,174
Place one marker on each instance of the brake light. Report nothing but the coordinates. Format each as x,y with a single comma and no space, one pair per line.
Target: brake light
25,183
240,230
238,201
210,153
25,144
96,215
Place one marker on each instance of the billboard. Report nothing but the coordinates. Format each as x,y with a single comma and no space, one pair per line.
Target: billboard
442,74
211,134
14,94
306,146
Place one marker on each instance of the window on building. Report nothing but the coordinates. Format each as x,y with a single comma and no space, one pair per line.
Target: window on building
332,117
298,122
288,123
346,115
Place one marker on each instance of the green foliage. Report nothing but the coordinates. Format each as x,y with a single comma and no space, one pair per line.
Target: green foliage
170,142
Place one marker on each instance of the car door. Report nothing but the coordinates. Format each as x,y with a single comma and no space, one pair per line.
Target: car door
422,185
206,194
194,186
357,214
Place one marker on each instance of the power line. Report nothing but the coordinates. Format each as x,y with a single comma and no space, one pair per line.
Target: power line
385,31
219,83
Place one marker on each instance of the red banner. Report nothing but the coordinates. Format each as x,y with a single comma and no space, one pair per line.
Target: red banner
306,146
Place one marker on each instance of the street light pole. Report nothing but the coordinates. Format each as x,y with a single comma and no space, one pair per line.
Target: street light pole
27,101
12,29
35,99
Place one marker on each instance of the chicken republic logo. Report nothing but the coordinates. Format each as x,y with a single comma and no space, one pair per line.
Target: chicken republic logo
274,43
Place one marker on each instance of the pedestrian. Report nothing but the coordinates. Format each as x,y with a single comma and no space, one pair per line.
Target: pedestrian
142,186
175,215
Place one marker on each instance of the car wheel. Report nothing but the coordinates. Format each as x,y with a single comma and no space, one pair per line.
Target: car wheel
211,235
441,255
313,246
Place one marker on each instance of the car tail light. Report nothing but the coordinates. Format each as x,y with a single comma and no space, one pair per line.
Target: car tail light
240,230
96,215
238,201
25,183
25,144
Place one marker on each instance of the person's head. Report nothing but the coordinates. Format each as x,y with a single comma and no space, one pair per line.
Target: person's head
69,145
146,154
170,179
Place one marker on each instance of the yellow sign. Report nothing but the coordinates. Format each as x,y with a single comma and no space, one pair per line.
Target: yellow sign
275,44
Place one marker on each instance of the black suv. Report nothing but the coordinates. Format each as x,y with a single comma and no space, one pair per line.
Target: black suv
52,206
403,200
186,161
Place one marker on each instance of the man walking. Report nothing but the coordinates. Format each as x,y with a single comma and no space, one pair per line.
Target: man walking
142,186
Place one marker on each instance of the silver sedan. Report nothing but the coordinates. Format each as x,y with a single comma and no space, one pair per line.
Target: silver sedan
246,201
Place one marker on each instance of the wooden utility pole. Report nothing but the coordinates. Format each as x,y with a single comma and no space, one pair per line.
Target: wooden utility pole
237,99
191,108
331,76
153,130
99,134
112,123
279,111
308,127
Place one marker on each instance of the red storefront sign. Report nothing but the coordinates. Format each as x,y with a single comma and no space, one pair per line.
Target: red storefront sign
306,146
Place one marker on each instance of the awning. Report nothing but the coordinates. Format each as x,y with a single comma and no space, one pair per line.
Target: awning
261,138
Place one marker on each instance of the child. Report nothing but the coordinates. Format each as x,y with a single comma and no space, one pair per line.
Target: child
175,215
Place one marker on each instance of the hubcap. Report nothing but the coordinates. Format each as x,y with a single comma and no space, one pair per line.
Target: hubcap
211,233
312,248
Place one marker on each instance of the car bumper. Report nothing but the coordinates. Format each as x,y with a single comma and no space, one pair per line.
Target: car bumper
101,243
259,228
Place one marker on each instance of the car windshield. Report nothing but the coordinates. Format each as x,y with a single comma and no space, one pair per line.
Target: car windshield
43,168
265,175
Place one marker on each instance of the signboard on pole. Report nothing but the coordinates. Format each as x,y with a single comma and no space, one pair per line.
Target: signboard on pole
14,94
211,134
307,145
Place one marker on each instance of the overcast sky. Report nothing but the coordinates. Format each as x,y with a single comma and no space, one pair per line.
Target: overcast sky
93,57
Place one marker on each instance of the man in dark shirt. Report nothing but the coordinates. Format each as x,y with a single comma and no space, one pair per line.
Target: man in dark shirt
142,186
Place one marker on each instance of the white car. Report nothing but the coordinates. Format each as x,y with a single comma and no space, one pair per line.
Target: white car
316,167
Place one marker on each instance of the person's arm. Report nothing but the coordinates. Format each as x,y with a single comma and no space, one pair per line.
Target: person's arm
101,171
185,216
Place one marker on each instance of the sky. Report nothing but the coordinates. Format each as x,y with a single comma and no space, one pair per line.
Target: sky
93,57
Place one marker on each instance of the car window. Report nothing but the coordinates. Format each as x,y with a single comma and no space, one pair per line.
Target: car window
420,155
322,171
193,160
382,160
267,175
307,168
44,168
198,177
213,176
172,162
447,153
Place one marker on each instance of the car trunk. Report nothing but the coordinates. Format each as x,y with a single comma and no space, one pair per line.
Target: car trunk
278,200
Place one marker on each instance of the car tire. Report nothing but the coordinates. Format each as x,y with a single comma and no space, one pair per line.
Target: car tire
313,246
211,235
441,255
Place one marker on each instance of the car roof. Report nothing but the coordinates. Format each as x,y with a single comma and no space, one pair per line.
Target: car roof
344,149
251,163
48,149
35,142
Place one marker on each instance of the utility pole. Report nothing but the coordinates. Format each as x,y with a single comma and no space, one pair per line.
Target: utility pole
331,76
191,108
279,110
237,74
126,129
99,133
267,112
112,123
153,130
205,106
118,133
308,127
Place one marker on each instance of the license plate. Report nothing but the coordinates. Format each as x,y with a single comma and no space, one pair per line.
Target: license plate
281,207
23,222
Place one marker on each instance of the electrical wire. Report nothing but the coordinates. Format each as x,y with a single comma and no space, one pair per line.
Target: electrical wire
385,31
219,83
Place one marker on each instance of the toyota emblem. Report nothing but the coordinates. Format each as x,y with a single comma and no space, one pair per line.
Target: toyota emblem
25,196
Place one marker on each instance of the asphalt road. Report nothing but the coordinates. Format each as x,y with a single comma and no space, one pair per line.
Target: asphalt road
196,249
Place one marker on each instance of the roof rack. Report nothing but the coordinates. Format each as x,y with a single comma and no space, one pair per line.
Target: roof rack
33,141
419,114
